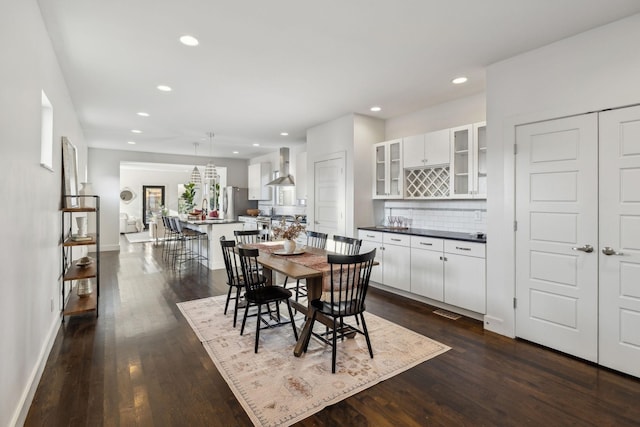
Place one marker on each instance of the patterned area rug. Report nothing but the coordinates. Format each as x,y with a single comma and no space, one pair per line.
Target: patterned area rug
278,389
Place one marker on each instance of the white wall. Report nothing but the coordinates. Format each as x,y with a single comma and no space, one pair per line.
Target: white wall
594,70
30,258
463,111
353,135
104,174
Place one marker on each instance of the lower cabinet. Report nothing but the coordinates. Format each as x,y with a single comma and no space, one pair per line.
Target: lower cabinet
464,275
450,271
394,255
427,267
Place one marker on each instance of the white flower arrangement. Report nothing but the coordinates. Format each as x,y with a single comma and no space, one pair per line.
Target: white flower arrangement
288,232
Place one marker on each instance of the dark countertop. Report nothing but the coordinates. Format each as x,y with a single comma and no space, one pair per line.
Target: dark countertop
441,234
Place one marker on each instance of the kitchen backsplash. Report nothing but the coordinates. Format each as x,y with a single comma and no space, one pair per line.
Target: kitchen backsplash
451,215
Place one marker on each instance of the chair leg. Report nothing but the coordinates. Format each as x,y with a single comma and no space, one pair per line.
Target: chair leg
258,328
333,350
244,319
226,304
235,310
293,323
366,335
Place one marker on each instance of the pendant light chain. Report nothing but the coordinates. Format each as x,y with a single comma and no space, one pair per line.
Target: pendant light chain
210,172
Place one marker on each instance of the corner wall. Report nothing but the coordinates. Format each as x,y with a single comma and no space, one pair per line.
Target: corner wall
595,70
30,256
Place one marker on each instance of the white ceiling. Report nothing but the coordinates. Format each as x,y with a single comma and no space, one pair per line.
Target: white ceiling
263,67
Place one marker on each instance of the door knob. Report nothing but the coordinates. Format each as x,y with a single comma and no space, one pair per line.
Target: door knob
607,250
586,248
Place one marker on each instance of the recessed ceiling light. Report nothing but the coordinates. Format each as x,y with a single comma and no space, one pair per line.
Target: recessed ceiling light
131,142
459,80
143,114
235,152
256,145
188,40
284,133
376,109
136,131
164,88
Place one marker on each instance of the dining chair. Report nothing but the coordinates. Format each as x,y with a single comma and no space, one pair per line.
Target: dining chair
251,236
258,293
349,282
347,245
315,239
234,275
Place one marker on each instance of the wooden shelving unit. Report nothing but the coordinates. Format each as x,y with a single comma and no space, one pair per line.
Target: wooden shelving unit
73,304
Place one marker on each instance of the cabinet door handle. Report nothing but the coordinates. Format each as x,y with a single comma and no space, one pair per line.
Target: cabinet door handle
396,240
369,235
462,248
443,258
426,244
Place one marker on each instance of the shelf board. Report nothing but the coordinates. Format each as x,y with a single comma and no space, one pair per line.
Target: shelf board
77,305
69,242
462,174
80,209
76,273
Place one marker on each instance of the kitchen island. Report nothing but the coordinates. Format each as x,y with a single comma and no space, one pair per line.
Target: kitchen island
215,228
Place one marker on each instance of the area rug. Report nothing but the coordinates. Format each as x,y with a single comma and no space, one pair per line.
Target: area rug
278,389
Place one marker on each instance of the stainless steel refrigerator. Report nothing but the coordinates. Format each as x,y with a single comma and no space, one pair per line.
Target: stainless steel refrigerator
235,201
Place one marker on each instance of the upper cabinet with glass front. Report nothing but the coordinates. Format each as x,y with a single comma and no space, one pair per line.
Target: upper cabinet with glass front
388,170
469,161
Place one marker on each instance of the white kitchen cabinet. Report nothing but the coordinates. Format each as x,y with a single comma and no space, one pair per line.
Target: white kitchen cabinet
426,150
301,176
396,256
372,240
465,275
393,252
259,177
427,267
469,161
388,170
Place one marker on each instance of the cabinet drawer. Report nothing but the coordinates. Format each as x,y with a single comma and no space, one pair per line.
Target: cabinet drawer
397,239
370,236
429,243
465,248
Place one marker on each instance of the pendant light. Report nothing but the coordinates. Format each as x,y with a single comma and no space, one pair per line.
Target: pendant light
195,173
210,172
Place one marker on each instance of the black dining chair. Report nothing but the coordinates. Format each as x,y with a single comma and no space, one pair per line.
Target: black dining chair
259,293
347,245
234,275
251,236
315,239
349,279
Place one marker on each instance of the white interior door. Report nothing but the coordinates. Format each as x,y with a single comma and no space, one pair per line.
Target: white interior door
329,196
557,224
620,240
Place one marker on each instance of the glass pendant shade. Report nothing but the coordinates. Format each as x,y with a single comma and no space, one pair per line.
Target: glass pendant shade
210,172
195,176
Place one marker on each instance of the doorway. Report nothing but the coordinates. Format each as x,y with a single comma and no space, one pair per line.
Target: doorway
152,202
329,195
578,236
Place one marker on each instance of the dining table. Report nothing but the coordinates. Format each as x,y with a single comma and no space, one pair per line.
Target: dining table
305,262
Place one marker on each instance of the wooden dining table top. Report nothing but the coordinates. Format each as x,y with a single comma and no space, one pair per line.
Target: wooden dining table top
312,262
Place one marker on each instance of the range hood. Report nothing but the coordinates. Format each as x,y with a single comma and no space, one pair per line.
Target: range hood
285,179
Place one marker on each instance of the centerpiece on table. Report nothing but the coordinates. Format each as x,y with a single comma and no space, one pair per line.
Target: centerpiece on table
288,233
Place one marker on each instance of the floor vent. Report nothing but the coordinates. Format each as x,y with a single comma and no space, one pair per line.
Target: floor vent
447,314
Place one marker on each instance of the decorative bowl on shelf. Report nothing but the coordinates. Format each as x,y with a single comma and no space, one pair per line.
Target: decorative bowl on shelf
253,212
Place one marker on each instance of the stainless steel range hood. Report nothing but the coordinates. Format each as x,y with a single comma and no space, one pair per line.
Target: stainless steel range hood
284,179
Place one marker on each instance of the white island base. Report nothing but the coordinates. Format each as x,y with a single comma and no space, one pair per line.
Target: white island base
215,229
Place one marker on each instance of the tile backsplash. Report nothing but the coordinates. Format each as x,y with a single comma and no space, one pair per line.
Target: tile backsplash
451,215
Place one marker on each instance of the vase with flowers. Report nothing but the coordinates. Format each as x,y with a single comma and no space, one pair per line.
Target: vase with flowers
288,232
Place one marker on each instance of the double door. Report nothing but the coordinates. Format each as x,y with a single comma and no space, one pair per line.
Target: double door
578,236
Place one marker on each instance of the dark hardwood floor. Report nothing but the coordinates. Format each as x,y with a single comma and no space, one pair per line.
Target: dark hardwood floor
140,364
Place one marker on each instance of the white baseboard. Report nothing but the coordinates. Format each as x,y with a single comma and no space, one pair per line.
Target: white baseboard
20,414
